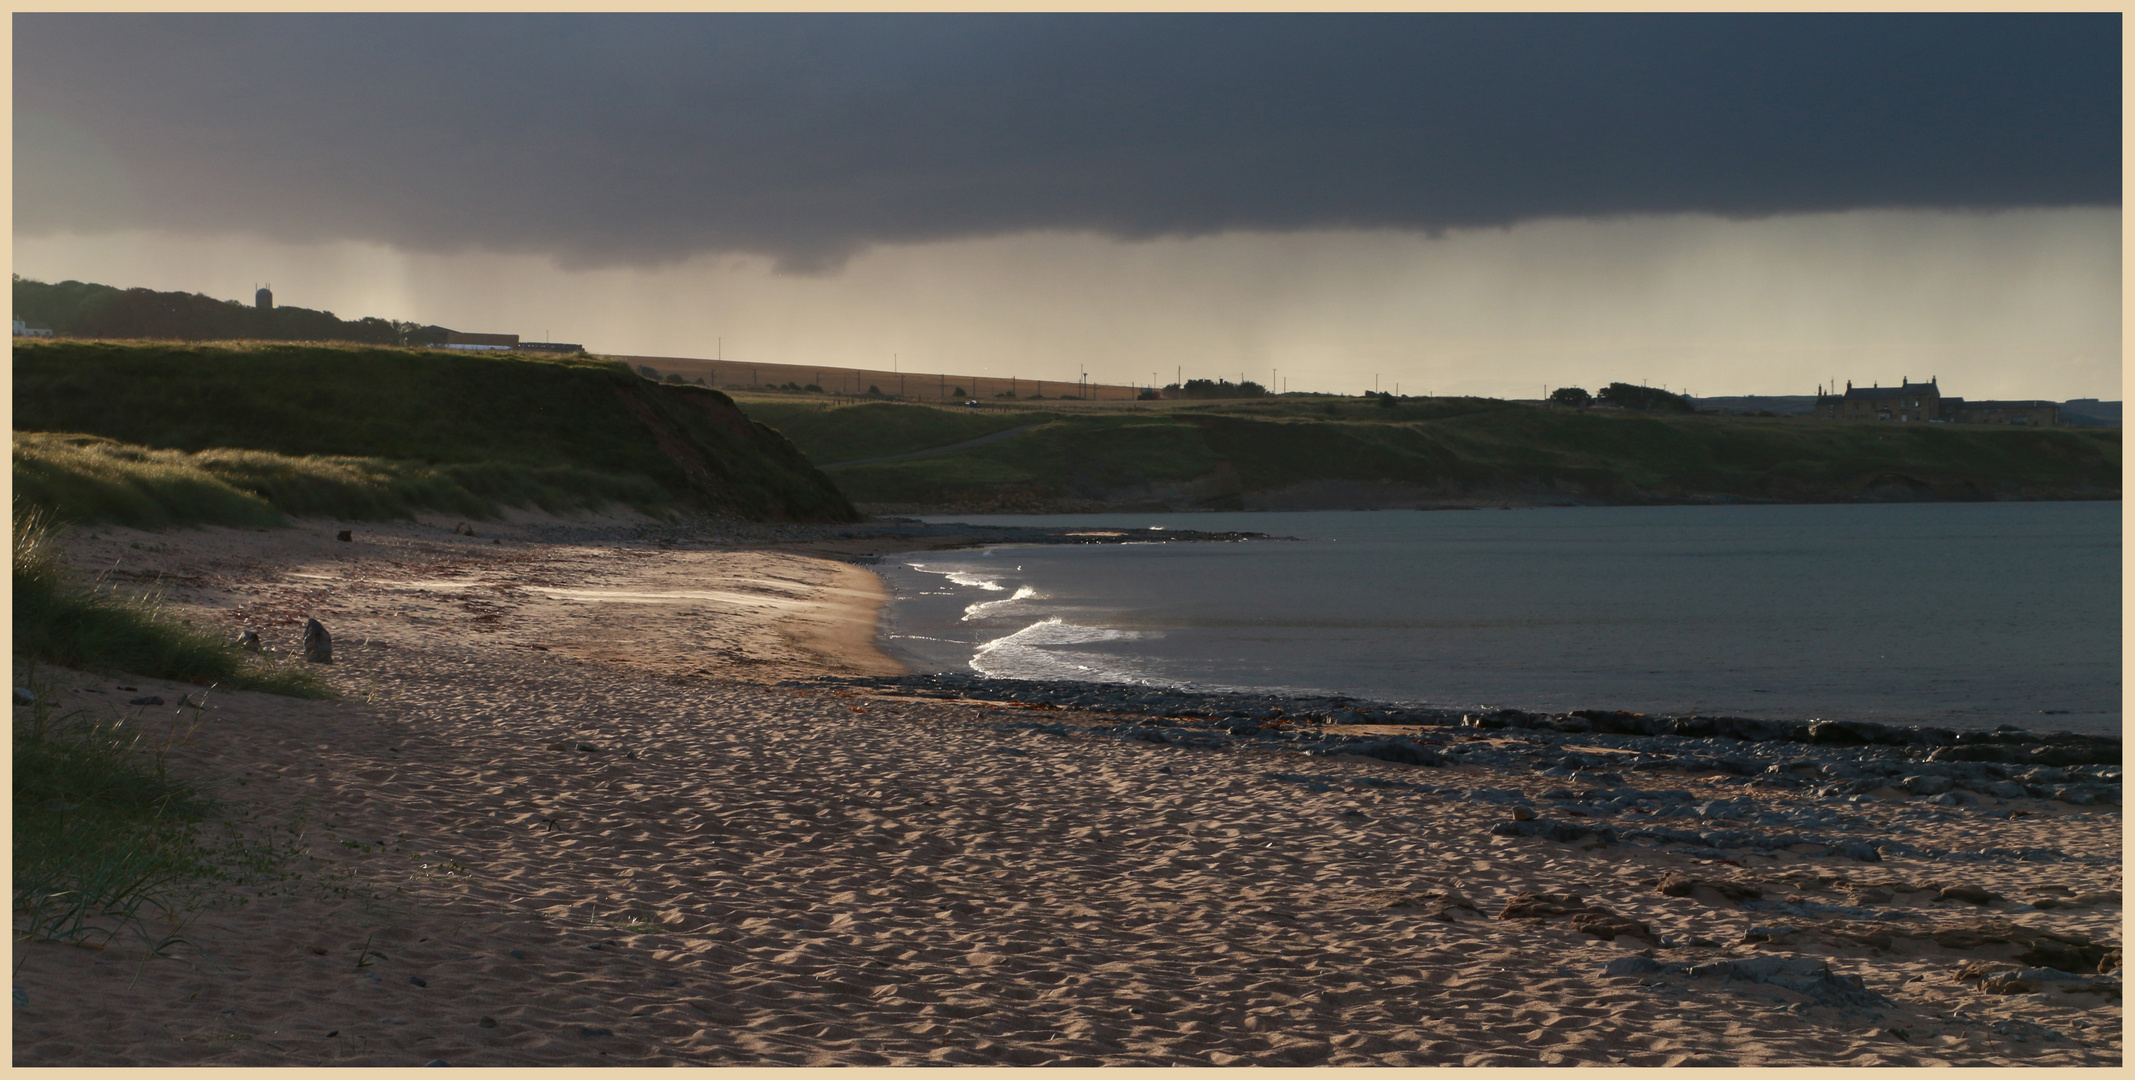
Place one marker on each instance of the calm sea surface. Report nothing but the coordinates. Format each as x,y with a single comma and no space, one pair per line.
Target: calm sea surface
1957,614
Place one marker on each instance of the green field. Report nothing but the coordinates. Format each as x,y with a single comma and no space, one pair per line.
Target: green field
155,433
1326,453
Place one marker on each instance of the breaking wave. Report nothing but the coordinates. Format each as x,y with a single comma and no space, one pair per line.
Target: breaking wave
1035,652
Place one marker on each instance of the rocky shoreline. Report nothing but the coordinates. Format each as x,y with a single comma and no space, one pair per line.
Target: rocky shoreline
1823,766
1783,814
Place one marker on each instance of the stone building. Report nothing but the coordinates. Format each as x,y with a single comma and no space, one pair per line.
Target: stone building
480,342
1922,403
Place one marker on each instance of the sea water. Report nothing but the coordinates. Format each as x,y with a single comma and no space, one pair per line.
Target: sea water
1964,615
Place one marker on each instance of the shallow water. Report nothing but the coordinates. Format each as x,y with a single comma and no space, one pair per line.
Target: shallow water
1957,614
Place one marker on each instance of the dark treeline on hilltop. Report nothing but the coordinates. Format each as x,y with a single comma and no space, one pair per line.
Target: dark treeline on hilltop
88,310
1624,396
1218,388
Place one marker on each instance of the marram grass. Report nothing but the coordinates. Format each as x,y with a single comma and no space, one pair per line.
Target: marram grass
63,620
108,841
89,479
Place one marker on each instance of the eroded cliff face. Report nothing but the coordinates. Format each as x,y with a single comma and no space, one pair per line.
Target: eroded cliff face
730,461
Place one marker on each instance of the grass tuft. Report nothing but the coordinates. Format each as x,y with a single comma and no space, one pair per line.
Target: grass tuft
61,620
107,840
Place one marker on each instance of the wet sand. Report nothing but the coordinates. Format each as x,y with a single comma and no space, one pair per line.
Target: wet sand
562,815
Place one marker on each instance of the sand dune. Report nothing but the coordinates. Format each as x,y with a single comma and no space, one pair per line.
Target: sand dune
745,873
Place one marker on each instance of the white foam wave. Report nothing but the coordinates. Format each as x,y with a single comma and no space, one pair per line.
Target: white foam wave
962,577
1034,653
986,609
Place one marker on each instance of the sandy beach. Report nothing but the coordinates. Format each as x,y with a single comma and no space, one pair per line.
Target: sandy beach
562,814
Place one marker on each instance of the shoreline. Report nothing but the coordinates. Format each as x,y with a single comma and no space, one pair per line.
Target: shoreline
943,645
591,800
1422,500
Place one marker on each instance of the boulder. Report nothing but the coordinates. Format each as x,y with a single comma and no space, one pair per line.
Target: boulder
1399,750
1860,851
318,644
1529,905
1675,884
1634,965
1810,977
249,641
2064,952
1850,733
1608,926
1926,784
1974,970
1805,975
1561,832
1695,727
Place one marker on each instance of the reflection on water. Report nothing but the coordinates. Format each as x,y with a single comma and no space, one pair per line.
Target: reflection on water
1964,615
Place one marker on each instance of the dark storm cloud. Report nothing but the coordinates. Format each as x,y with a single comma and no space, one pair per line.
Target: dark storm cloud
636,139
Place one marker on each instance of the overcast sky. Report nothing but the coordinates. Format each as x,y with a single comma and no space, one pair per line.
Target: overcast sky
1483,204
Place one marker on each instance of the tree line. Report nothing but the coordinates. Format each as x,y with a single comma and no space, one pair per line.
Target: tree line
88,310
1216,388
1624,396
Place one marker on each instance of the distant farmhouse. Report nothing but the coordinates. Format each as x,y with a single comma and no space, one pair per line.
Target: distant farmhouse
1918,403
23,329
503,343
480,342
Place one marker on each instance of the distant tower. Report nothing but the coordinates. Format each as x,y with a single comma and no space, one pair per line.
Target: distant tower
263,299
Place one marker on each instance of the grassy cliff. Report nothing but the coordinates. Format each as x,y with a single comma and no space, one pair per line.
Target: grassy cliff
1301,453
164,433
